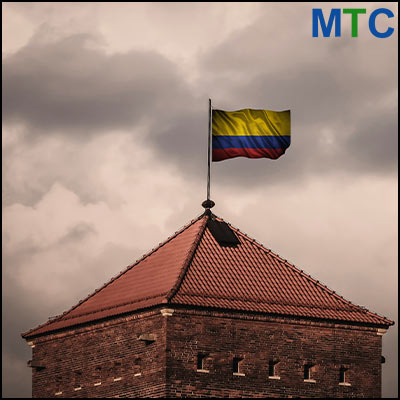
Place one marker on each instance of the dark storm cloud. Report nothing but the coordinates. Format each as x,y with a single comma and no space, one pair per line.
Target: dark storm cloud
72,86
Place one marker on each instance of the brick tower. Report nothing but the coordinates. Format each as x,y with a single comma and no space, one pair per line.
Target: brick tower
210,313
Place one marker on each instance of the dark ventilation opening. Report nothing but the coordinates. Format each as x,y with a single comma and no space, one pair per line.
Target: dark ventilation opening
116,369
222,233
77,378
200,361
98,373
137,368
272,367
236,364
307,371
342,374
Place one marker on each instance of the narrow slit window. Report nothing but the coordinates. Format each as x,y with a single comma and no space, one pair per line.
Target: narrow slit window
116,369
343,377
201,360
59,385
236,365
308,372
77,380
272,369
137,368
97,376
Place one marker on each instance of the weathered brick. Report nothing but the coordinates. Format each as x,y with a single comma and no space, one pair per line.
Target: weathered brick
108,352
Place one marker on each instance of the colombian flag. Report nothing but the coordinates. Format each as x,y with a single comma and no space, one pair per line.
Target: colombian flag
250,133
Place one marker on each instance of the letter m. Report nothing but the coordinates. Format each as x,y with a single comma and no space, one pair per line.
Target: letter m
326,29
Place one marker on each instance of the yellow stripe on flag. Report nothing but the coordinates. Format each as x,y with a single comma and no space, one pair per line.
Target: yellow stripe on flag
250,122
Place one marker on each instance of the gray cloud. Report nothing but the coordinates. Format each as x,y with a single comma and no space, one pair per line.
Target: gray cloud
374,143
73,86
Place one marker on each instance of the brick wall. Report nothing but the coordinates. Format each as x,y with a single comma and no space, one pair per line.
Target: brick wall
108,353
293,343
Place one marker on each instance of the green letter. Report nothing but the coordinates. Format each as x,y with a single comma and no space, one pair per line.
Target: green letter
354,18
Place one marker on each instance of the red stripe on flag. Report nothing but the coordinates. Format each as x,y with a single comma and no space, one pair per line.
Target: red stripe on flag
223,154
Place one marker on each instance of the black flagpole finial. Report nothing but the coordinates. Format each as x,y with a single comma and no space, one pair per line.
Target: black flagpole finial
207,204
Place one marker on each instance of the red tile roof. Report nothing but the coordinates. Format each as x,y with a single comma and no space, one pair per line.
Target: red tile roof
192,268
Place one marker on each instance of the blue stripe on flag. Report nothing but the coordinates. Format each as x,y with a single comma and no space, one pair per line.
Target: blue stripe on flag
250,142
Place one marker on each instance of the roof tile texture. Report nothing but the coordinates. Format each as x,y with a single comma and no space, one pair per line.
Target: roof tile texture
251,278
192,268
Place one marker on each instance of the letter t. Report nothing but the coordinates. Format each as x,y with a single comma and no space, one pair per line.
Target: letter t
354,18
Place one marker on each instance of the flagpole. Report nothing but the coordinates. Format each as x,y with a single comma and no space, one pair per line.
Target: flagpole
209,148
207,204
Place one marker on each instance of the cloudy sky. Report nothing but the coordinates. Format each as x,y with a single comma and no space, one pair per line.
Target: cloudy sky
105,115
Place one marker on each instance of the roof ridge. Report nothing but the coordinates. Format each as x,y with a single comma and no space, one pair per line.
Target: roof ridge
188,259
307,276
128,268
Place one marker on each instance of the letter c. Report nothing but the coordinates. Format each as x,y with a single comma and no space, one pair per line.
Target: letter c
372,25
